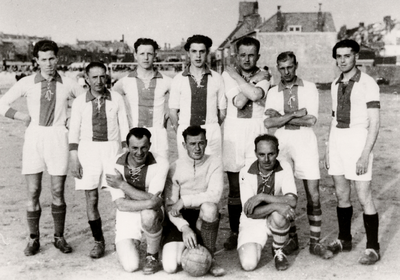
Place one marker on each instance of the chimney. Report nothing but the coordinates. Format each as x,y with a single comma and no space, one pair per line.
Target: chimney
279,20
246,9
123,38
169,46
320,20
165,46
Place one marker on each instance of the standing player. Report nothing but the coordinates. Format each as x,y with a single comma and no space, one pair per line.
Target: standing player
197,96
192,193
46,140
145,90
98,121
135,190
269,196
246,88
353,133
292,107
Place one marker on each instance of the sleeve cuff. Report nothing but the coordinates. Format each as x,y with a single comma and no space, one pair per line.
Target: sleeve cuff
10,113
73,146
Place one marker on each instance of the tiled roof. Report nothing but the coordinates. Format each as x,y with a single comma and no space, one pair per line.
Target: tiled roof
243,28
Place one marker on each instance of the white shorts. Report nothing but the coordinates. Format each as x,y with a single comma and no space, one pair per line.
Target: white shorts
45,146
159,141
213,135
94,158
253,231
128,225
345,148
300,149
238,144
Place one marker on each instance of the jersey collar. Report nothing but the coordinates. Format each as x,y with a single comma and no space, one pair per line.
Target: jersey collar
39,78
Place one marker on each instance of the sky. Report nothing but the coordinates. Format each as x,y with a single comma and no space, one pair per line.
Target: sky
166,21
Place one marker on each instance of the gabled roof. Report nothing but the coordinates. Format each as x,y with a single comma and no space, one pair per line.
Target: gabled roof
308,21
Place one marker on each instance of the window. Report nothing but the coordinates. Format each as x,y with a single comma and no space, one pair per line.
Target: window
294,28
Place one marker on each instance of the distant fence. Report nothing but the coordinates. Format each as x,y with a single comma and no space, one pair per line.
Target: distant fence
161,66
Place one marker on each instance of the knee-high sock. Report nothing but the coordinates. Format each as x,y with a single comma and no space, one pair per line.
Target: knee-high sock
344,220
33,218
153,241
234,211
292,230
280,236
209,233
371,224
59,212
314,214
97,232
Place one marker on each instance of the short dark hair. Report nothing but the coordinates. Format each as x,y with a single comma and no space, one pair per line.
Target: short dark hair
268,138
139,133
355,47
146,41
285,56
94,64
44,46
248,41
193,130
198,39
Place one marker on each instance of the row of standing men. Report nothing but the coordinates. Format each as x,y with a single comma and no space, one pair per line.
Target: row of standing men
200,99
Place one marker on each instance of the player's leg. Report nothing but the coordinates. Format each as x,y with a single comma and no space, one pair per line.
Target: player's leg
128,254
92,200
344,212
209,219
34,187
371,222
171,256
58,211
249,255
314,215
152,227
279,227
234,209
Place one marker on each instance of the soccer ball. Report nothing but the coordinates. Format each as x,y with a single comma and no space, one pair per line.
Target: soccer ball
196,261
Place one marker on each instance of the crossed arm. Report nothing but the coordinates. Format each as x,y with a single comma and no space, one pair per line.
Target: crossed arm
262,205
299,118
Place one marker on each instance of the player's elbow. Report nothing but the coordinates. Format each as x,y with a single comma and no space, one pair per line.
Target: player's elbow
268,123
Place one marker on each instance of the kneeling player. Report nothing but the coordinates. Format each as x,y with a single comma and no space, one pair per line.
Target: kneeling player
193,189
135,189
268,194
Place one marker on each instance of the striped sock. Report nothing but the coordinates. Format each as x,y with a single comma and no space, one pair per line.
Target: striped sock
292,230
280,236
314,214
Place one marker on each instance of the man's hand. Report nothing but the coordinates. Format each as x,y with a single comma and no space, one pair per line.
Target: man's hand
116,180
272,113
156,201
300,113
326,158
252,203
362,164
176,208
262,75
189,237
286,211
27,120
76,167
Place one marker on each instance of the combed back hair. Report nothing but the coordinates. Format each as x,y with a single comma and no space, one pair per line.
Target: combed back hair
285,56
94,64
139,133
146,41
193,130
355,47
44,46
198,39
266,137
248,41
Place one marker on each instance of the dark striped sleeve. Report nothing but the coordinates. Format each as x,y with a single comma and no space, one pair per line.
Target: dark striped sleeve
374,104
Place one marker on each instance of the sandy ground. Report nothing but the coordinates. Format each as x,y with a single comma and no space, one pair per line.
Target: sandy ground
49,263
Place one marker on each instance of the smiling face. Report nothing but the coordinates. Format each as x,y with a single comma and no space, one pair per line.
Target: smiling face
266,153
145,55
287,69
197,55
247,57
96,78
47,62
195,146
139,149
346,59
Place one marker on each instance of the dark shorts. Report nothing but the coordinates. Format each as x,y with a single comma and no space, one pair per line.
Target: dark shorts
172,234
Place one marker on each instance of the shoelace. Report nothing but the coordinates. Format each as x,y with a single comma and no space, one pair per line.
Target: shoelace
279,254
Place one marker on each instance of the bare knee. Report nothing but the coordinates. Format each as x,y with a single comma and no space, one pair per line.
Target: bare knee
209,211
150,220
170,266
129,266
278,221
248,264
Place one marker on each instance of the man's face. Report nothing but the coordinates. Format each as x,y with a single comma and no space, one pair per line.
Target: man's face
287,69
139,149
47,62
247,57
145,56
197,55
346,59
96,78
195,146
266,153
